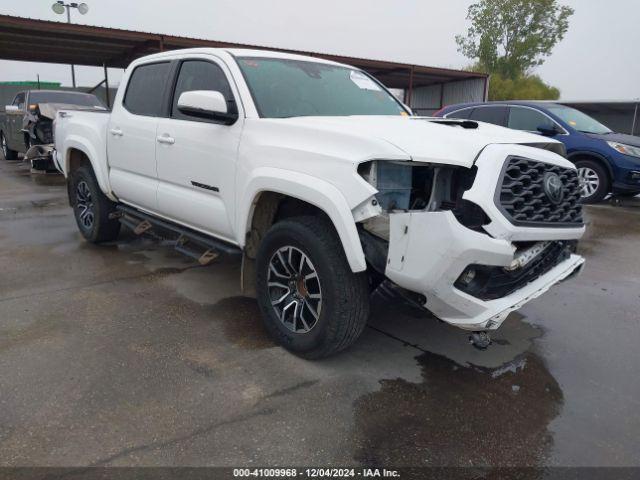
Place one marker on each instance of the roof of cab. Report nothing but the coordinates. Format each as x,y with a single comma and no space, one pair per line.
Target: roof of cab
235,52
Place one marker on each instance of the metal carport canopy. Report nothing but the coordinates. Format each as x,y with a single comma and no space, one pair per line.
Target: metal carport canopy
33,40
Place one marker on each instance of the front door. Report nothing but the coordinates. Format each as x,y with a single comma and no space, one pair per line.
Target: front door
196,158
15,136
131,136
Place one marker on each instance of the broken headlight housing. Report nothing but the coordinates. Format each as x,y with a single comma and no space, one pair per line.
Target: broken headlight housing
407,186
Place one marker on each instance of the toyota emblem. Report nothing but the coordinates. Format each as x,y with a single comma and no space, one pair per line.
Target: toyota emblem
553,187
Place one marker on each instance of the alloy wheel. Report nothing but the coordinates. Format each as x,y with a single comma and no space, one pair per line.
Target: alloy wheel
84,204
294,289
589,181
4,145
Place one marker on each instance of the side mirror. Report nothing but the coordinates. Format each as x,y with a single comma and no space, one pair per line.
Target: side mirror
548,130
207,104
11,109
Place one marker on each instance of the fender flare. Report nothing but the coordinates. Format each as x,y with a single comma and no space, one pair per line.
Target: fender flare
100,169
309,189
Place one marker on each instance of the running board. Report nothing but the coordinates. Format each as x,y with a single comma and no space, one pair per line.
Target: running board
184,240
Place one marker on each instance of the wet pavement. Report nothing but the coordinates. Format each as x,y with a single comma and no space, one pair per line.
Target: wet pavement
129,354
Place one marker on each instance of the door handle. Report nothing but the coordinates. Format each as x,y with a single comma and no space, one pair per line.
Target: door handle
116,132
166,139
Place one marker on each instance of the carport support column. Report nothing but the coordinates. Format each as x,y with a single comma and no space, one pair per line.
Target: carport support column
106,85
410,91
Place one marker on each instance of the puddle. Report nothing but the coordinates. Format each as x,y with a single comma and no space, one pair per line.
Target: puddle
49,179
206,285
242,323
460,416
608,226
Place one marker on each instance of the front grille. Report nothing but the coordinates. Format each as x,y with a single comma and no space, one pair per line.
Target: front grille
44,132
490,283
524,201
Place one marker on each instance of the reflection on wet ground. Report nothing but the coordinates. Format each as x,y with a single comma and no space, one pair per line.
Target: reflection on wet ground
131,354
460,416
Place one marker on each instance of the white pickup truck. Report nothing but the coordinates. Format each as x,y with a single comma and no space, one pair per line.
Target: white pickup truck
327,186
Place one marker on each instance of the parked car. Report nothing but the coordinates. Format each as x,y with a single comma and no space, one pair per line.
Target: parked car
317,175
607,162
27,122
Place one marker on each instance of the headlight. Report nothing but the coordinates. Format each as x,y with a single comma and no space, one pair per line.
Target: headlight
393,180
625,149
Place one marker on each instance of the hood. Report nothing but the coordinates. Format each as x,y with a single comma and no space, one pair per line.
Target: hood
617,137
49,110
424,139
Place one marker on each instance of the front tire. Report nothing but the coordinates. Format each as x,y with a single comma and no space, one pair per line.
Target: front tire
594,181
91,207
6,151
311,302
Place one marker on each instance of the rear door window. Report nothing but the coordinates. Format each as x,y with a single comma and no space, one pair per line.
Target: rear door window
528,119
461,114
145,91
199,75
495,115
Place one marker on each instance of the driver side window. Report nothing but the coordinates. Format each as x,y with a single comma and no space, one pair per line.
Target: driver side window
19,101
528,119
200,75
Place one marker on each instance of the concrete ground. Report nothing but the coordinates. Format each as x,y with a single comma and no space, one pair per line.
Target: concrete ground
129,354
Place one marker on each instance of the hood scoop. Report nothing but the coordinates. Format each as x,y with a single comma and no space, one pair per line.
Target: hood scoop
467,124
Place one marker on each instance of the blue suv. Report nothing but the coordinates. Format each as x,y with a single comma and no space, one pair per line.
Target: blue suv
607,162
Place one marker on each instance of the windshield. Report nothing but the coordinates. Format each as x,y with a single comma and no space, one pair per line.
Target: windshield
578,120
292,88
71,98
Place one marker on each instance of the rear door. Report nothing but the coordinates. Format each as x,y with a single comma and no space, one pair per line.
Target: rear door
495,114
196,157
131,135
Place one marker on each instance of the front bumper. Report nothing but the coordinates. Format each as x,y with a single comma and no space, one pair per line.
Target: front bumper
41,157
429,250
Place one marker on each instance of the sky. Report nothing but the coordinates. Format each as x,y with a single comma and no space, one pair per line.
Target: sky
597,60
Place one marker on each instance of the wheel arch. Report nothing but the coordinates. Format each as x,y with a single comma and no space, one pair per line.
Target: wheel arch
275,193
588,155
77,153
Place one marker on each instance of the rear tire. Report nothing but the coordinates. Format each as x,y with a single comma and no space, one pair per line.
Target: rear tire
594,179
6,151
320,306
91,207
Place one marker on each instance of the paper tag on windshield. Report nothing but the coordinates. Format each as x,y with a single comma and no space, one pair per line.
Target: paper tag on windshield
363,82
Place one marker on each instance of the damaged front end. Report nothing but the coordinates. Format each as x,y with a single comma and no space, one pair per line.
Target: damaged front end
37,126
448,252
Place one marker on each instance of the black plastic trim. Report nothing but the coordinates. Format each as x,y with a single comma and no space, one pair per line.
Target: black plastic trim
205,186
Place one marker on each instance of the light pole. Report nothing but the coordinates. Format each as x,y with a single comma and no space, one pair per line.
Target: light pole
60,7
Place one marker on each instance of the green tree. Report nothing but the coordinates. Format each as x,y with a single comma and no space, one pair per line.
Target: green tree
511,37
530,87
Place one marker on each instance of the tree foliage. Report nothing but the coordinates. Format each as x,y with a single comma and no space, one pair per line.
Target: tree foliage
530,87
510,37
